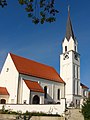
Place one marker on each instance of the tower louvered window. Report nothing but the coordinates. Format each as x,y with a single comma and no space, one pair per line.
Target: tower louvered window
65,48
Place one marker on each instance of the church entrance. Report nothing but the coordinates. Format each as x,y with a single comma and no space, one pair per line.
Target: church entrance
36,99
2,101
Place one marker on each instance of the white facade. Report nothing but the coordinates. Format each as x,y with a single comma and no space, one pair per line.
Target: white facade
9,79
71,45
84,93
20,93
70,71
70,66
52,88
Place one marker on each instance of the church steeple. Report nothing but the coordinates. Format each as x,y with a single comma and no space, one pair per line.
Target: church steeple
69,29
70,65
69,42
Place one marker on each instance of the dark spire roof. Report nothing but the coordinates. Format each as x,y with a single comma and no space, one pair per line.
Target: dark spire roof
69,29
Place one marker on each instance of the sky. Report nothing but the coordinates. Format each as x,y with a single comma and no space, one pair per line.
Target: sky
42,43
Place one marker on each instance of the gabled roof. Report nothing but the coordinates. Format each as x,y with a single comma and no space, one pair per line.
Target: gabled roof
69,29
34,86
35,69
3,91
84,86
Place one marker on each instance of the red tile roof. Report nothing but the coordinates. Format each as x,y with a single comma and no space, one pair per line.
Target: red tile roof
34,86
3,91
32,68
84,86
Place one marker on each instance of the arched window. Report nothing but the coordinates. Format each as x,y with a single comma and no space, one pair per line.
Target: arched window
45,92
36,99
2,101
58,94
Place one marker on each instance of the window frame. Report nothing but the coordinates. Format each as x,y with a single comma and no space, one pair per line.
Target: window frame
45,91
58,94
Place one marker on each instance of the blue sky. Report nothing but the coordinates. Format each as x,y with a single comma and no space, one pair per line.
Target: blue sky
42,43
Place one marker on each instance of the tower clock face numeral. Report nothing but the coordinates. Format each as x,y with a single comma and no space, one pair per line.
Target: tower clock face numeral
66,56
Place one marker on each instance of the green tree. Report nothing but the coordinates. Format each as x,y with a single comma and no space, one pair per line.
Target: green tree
86,110
40,11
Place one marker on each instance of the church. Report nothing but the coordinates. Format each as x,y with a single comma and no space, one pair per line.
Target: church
29,82
24,81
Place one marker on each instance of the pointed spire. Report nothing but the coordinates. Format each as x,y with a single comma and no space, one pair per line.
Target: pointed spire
69,30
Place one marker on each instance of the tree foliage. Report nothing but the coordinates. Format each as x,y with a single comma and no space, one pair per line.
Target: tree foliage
40,11
3,3
86,110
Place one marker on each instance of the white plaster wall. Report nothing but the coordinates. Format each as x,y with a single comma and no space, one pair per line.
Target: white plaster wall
75,87
78,98
87,93
79,72
52,87
84,90
49,109
20,91
66,70
79,87
25,93
40,95
82,96
69,99
70,45
65,43
81,92
4,97
9,79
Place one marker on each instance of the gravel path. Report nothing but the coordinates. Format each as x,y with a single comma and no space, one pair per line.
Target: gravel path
74,114
7,117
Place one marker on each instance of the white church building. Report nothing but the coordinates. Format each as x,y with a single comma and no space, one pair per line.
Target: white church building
30,82
24,81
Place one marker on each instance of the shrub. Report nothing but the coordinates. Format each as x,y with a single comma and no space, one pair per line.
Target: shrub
86,110
39,114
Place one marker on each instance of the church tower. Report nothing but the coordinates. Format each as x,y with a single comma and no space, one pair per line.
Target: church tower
70,65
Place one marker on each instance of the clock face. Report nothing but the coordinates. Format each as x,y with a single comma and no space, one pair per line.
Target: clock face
66,56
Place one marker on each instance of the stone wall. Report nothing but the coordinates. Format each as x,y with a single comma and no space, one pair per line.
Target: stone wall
13,117
47,118
48,109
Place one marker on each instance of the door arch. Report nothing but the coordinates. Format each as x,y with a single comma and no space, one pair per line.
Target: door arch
3,101
36,100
